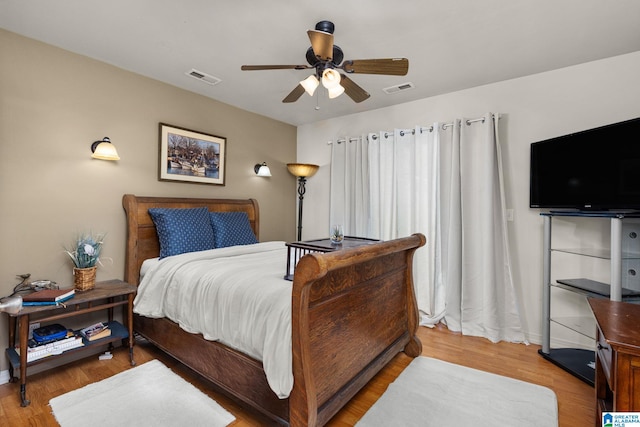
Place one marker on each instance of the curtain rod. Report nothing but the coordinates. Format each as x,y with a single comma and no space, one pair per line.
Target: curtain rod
340,141
422,129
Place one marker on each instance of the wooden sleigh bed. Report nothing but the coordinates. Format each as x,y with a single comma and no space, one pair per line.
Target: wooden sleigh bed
353,310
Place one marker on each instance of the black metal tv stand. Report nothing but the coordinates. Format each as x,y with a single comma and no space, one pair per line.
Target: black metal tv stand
577,361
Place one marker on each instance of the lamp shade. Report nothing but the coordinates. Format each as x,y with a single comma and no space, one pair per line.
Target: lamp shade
11,305
104,150
302,169
261,169
335,91
330,78
310,84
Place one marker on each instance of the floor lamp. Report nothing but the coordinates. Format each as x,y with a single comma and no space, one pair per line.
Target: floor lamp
302,171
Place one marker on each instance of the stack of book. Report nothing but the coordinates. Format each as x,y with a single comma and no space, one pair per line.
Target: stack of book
96,331
48,297
40,349
52,340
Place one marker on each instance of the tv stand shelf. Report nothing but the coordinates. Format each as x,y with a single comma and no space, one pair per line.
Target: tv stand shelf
595,214
594,289
577,361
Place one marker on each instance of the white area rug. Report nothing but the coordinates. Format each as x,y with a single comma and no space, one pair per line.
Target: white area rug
147,395
430,392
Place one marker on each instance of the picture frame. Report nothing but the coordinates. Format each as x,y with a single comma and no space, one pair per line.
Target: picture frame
190,156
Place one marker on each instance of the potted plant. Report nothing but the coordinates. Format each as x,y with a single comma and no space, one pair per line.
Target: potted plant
85,254
337,235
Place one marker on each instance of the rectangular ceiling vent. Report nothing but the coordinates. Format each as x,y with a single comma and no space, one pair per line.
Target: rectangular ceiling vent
398,88
207,78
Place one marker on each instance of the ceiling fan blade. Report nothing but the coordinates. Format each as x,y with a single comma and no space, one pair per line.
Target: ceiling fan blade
354,91
387,66
295,94
322,44
274,67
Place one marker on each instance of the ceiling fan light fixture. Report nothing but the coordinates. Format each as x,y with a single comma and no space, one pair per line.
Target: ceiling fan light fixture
310,84
330,78
327,60
335,91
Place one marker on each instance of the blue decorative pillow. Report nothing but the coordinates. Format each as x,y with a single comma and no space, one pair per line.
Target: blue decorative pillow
231,229
182,230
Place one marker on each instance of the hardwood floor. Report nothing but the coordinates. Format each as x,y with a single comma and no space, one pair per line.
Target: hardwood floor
576,400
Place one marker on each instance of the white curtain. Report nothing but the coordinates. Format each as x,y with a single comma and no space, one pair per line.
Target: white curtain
349,197
444,181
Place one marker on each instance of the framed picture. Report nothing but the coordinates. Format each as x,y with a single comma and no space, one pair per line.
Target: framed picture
191,156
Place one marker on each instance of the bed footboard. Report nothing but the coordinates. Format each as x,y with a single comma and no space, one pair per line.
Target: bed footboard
353,311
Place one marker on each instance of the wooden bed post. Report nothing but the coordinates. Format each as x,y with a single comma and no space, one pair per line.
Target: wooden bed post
303,407
414,347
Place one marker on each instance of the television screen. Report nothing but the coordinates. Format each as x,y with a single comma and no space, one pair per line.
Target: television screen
596,169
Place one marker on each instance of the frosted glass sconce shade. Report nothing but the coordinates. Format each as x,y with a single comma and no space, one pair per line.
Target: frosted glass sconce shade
261,169
104,150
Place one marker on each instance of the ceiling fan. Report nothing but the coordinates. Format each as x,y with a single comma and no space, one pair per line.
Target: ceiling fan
326,58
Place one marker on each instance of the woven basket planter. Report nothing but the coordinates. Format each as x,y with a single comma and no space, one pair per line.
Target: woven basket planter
84,279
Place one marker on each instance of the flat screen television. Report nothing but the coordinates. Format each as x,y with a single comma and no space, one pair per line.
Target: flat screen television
596,169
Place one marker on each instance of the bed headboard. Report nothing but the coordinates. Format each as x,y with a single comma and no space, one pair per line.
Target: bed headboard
142,239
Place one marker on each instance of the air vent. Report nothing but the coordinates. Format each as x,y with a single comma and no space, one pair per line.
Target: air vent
398,88
207,78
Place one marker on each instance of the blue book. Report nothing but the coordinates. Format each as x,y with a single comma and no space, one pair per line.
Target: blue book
59,302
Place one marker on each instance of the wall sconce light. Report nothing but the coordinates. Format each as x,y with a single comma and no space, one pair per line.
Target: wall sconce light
302,171
104,150
261,169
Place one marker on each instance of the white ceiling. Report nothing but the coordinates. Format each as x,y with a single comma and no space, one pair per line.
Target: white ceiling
451,45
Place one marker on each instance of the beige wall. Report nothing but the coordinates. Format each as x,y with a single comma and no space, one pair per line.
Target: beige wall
54,103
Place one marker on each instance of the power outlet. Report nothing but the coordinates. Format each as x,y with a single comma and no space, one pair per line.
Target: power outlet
510,215
32,327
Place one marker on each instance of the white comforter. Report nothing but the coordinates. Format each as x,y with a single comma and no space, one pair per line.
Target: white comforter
236,295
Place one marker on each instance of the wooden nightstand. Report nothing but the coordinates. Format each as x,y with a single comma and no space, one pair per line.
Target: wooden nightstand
617,356
105,296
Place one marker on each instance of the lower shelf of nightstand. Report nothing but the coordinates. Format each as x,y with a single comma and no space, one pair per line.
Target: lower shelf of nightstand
118,332
576,361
